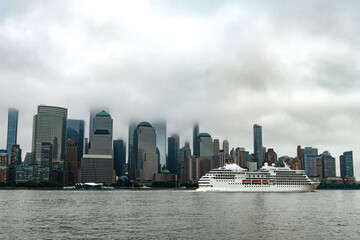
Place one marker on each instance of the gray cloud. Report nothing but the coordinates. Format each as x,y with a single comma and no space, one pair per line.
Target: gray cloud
287,65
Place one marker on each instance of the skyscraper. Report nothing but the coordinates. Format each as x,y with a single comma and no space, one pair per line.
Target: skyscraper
101,139
49,125
204,145
98,165
328,165
216,146
119,156
258,152
93,112
11,130
172,163
346,165
160,128
195,134
145,159
226,147
75,131
132,128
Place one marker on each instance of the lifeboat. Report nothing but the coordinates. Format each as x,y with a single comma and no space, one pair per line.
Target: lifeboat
265,181
246,181
256,181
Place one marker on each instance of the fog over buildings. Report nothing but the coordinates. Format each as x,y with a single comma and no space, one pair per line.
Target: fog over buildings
289,66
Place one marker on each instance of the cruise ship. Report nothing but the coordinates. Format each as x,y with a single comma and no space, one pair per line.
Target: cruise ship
233,178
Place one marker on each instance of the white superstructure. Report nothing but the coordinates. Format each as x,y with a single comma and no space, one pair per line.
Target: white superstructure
233,178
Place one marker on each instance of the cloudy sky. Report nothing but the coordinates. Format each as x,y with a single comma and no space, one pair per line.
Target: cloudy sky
291,66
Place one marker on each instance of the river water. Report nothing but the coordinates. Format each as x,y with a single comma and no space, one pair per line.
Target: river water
171,214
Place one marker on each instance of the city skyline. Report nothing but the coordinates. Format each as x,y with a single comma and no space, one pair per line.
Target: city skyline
226,64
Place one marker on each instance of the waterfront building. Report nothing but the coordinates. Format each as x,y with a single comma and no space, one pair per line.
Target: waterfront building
160,128
184,153
119,156
328,166
226,147
15,157
28,159
15,160
308,151
11,130
172,163
196,150
49,125
72,165
4,168
258,147
32,173
346,165
144,164
204,145
98,165
310,165
75,130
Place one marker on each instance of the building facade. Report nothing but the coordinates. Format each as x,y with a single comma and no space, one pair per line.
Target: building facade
258,147
172,163
49,125
11,130
347,165
75,130
160,128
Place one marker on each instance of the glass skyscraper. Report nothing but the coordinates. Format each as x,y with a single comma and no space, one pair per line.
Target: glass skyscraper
160,128
12,130
49,125
75,131
258,152
346,165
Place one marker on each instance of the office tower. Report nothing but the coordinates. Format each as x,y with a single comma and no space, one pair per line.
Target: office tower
15,157
319,167
15,161
309,151
93,112
119,156
4,169
328,165
98,165
145,159
172,163
160,128
75,131
226,147
216,146
258,147
132,128
310,165
28,159
49,125
271,157
300,152
11,130
101,139
195,134
346,165
204,145
72,165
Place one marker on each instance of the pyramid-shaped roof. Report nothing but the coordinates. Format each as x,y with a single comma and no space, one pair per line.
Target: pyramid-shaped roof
102,114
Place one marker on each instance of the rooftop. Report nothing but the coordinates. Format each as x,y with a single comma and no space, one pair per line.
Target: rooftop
144,124
103,114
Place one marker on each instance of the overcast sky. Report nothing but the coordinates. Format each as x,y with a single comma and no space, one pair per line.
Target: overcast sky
291,66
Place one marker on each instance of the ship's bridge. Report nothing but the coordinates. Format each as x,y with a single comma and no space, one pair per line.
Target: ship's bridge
267,168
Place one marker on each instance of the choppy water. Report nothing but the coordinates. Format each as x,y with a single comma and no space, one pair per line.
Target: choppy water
168,214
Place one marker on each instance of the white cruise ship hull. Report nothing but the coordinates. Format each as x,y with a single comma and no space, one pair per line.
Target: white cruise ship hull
259,188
